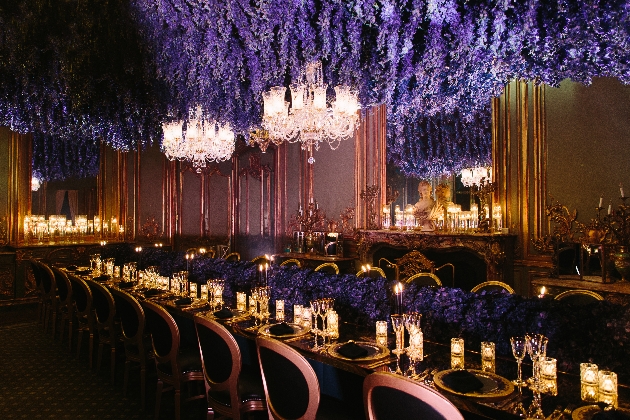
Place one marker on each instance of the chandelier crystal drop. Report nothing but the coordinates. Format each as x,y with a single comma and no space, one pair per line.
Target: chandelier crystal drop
310,120
202,141
473,176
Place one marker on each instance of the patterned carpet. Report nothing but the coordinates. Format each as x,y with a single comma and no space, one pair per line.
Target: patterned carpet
40,379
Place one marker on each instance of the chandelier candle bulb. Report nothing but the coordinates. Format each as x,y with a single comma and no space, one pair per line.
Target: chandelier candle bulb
601,202
589,373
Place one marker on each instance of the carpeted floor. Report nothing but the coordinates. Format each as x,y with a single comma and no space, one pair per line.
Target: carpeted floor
41,379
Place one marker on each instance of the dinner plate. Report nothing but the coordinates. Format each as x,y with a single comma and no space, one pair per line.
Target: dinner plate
237,314
588,411
494,386
298,331
374,351
195,305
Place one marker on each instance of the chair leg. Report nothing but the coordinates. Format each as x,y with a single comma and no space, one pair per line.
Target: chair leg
79,341
126,377
91,349
99,357
177,403
158,397
143,384
113,364
70,334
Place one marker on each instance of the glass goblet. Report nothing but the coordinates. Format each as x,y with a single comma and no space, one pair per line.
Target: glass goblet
519,350
316,307
536,348
398,326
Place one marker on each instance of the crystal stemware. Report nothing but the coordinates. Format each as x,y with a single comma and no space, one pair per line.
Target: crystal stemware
536,348
327,306
398,326
316,307
519,350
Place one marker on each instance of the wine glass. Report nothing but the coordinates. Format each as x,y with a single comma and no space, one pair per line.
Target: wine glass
326,305
536,348
519,350
316,307
399,329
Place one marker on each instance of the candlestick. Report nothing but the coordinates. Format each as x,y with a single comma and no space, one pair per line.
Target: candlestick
610,207
621,190
601,202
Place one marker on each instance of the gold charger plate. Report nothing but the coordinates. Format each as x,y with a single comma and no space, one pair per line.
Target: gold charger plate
375,352
588,411
298,331
494,386
237,315
195,305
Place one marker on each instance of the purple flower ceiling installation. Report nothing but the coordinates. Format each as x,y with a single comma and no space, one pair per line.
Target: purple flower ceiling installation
115,70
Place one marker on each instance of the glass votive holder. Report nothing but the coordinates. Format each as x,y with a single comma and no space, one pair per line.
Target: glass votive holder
307,318
547,367
607,387
332,325
116,271
381,328
457,361
381,340
487,351
548,386
297,314
488,366
204,292
193,290
457,346
589,373
241,301
589,392
280,310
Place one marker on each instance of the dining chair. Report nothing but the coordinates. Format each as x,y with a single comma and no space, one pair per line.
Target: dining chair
175,366
234,256
290,384
49,287
579,297
290,262
39,290
373,272
424,279
261,259
83,300
231,391
492,286
137,343
330,268
387,396
106,325
64,303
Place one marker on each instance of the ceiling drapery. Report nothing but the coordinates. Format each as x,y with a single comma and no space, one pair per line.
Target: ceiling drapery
115,70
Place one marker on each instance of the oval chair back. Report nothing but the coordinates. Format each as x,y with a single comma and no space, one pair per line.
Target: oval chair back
39,289
387,396
261,259
291,386
234,256
49,287
373,272
64,287
492,286
424,279
83,300
291,261
330,268
132,325
105,311
221,363
579,297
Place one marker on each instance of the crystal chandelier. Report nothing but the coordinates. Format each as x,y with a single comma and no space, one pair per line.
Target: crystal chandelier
202,141
309,120
473,176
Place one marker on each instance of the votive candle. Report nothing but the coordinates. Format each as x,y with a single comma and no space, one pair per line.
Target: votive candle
297,314
589,392
381,328
487,351
608,387
280,310
547,366
588,373
306,317
332,326
193,290
241,300
204,291
457,346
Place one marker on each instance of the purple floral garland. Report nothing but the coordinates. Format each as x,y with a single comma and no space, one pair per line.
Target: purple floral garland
115,70
599,332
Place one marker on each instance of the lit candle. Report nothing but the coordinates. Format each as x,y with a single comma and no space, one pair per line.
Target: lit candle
601,202
381,328
332,324
547,367
398,289
610,207
241,299
543,290
266,272
260,273
280,310
621,190
297,314
487,350
588,373
457,346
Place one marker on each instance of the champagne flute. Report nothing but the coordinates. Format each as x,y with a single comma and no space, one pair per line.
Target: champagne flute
316,307
399,329
536,348
519,350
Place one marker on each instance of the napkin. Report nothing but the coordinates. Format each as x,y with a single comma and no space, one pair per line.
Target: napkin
125,284
102,277
152,292
224,313
71,267
610,415
281,329
183,301
462,381
352,350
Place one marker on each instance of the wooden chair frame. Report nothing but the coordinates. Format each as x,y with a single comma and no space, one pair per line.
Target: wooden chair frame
135,349
106,326
485,284
85,316
438,402
233,256
261,259
237,406
326,265
302,364
176,378
377,269
435,278
574,292
291,261
65,305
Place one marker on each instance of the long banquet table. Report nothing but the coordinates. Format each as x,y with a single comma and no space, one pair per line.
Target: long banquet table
343,379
